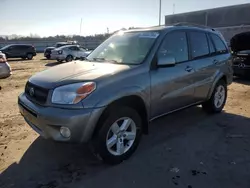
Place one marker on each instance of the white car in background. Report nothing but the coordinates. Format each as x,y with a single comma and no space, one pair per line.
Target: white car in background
69,53
5,70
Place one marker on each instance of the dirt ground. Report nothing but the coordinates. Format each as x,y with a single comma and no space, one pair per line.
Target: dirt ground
185,149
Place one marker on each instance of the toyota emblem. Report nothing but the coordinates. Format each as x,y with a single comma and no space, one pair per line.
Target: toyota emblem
32,92
241,65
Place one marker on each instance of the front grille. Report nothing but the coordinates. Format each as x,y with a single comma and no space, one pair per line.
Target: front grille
48,51
241,59
36,93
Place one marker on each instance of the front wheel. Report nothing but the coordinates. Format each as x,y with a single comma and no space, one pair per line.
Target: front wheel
69,58
119,135
218,99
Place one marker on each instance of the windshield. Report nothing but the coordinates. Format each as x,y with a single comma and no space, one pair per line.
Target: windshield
5,47
125,48
59,45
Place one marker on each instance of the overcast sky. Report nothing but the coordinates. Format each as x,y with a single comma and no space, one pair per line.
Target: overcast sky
52,17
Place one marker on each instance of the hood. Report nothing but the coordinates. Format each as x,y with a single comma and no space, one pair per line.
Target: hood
240,42
76,71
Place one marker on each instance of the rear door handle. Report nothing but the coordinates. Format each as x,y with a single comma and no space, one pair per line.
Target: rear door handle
188,69
216,62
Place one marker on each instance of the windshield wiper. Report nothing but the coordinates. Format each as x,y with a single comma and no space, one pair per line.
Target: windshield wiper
99,59
103,59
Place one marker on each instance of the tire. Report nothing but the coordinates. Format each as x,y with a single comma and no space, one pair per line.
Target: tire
29,56
69,58
120,115
48,57
210,106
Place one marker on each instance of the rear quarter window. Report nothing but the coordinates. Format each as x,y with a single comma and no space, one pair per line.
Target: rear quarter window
219,44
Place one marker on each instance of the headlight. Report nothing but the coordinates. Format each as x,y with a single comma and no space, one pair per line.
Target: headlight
73,93
2,58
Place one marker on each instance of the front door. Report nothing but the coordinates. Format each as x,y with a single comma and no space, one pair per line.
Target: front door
81,52
172,87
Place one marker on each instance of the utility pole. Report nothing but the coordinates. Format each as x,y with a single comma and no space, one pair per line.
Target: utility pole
159,12
81,27
173,8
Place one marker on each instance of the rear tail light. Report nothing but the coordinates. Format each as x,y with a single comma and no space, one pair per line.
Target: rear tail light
2,59
60,52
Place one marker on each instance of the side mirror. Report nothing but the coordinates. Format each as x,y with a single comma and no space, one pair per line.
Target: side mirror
166,61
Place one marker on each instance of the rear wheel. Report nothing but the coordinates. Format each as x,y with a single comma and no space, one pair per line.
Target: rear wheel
69,58
218,99
29,56
48,57
119,136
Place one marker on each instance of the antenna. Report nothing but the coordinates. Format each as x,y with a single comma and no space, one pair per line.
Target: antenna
159,12
81,27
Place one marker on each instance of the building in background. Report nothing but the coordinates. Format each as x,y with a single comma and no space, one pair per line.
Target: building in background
228,20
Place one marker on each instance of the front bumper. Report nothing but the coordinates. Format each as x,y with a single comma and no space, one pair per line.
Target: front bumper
47,121
241,71
5,70
46,54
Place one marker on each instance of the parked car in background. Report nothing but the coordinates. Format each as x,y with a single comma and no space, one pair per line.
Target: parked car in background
5,70
69,53
24,51
47,51
240,46
128,81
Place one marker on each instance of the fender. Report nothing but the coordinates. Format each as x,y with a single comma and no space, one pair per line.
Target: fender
217,77
125,92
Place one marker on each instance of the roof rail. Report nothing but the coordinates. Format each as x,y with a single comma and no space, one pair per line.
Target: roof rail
193,25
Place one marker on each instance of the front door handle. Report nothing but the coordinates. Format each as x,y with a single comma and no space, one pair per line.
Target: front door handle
188,69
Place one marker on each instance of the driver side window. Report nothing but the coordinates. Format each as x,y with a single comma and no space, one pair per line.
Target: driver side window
175,45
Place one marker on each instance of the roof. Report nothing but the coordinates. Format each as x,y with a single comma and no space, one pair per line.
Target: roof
71,45
20,45
179,26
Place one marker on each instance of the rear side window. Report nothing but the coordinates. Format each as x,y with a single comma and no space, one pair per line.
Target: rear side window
20,47
199,44
175,45
219,44
211,46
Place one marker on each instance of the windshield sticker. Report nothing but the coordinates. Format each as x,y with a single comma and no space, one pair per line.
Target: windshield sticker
148,35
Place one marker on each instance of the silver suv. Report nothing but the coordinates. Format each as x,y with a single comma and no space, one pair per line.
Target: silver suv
129,80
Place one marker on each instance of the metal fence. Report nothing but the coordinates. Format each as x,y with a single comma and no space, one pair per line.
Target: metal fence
41,45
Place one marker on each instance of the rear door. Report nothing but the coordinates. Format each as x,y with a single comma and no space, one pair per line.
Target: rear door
12,51
172,87
23,50
203,59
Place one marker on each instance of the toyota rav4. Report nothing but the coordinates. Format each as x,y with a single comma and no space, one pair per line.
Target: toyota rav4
129,80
